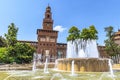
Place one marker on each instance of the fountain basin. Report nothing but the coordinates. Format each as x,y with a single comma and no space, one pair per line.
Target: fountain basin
55,75
84,64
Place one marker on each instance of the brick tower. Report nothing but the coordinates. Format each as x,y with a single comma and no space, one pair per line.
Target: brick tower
47,37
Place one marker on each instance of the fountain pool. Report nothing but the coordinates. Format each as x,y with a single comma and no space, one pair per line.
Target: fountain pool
56,75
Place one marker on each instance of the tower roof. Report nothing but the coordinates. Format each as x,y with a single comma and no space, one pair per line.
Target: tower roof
48,8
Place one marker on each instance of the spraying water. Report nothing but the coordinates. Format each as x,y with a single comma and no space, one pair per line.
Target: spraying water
110,67
57,75
34,66
39,59
82,49
56,63
46,66
34,62
72,68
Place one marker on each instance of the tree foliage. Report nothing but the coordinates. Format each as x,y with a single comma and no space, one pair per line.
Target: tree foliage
23,53
11,36
74,33
93,32
109,32
15,51
2,42
110,46
85,34
3,55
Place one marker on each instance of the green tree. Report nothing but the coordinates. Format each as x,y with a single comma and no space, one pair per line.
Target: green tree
89,33
15,51
24,52
2,42
2,54
11,36
11,54
93,32
74,33
109,32
20,53
4,58
110,46
11,40
85,34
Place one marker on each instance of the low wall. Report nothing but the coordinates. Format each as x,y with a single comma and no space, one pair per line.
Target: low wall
84,64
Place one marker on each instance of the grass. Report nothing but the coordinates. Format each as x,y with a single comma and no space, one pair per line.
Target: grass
3,75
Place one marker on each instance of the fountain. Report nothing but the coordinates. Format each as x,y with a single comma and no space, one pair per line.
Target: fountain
82,49
57,75
90,64
34,62
85,56
56,63
110,66
46,62
72,69
46,66
34,66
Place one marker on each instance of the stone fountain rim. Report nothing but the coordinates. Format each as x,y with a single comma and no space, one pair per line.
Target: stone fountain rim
82,59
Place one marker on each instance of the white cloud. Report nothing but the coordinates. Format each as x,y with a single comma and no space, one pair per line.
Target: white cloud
59,28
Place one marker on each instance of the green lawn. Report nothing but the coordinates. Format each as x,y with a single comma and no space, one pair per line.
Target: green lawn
3,75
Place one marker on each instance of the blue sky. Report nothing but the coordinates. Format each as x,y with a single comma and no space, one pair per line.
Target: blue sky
28,16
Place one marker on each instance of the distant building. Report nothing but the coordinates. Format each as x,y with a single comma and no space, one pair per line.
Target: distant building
117,37
32,43
102,52
47,45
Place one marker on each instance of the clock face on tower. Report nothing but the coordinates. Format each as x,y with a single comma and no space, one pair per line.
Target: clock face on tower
47,24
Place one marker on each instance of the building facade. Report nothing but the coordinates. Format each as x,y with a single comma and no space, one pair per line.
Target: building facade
117,37
102,52
47,39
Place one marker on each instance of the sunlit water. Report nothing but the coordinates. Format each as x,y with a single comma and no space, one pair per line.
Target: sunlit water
40,74
46,66
82,49
110,68
56,75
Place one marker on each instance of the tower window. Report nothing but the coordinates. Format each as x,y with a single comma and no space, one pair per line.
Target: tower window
44,44
48,16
